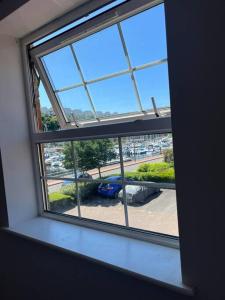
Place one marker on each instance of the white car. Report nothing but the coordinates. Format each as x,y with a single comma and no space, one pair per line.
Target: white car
137,193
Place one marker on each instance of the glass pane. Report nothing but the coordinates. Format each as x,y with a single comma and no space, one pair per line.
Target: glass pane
49,121
114,96
75,102
61,67
152,209
101,53
62,197
145,36
99,201
149,158
98,158
58,159
154,82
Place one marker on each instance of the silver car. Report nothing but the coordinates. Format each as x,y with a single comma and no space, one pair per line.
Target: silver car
137,193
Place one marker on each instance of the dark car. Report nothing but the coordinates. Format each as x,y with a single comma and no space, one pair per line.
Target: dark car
110,190
84,175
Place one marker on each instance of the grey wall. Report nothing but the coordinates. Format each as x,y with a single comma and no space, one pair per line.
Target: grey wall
14,138
32,271
197,77
196,64
7,7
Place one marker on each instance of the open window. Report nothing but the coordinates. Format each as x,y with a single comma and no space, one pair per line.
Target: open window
105,83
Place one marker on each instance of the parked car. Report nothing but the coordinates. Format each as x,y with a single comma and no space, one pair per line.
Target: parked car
137,193
110,190
84,175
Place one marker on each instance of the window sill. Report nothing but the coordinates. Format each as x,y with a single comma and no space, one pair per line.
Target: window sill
156,263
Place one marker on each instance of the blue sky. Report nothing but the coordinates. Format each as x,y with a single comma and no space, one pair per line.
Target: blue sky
101,54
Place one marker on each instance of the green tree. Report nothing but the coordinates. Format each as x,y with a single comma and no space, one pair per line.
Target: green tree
90,154
168,156
49,123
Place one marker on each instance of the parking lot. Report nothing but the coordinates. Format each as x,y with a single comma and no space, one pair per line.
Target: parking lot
158,213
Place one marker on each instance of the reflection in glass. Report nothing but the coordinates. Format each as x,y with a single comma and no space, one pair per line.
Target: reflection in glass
114,96
61,67
101,53
145,36
76,104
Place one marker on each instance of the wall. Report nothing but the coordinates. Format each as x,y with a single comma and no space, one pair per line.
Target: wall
14,137
196,64
35,272
7,7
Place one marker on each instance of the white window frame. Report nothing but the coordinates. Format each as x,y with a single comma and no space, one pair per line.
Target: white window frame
134,126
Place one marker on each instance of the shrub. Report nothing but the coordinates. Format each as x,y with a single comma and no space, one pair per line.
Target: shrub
88,189
164,175
153,167
168,155
69,189
58,196
156,172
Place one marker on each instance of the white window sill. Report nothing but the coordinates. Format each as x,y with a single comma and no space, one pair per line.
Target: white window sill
156,263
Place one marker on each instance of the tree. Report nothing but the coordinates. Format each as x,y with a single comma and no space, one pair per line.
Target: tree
168,156
89,154
49,122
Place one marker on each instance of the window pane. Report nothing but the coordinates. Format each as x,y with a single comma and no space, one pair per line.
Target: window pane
149,159
114,96
75,102
61,68
58,160
154,82
145,36
62,196
49,120
152,209
99,201
98,158
101,53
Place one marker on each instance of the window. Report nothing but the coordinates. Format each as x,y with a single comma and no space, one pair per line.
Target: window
102,121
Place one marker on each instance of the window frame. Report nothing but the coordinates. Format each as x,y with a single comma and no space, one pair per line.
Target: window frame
135,126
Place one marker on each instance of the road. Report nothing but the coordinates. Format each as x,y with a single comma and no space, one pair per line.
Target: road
54,185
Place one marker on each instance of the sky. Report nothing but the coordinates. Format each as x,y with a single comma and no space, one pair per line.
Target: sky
101,54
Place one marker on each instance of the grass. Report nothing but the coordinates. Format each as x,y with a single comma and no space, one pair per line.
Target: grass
58,196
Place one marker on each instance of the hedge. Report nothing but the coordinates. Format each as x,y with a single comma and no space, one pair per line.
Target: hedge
153,167
156,172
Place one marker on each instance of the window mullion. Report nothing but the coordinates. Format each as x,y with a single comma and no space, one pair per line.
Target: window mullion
123,183
75,177
130,68
84,82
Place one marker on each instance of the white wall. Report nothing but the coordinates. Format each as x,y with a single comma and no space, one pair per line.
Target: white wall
14,136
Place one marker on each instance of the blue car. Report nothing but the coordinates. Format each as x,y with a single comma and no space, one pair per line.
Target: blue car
110,190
